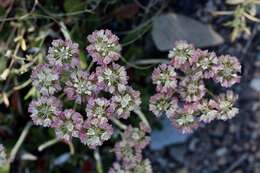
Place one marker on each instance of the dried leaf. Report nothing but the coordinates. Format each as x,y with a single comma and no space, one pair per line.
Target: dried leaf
252,18
5,3
171,27
4,75
16,102
5,99
23,44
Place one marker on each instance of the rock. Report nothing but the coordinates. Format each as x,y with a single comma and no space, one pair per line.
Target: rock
178,152
171,27
255,84
167,136
221,152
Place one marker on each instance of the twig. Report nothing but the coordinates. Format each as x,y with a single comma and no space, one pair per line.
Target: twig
6,14
99,166
19,142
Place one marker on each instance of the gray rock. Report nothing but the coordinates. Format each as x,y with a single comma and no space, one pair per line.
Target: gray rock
178,152
221,152
171,27
167,136
255,84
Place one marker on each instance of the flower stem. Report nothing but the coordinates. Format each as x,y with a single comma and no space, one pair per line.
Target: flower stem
72,148
142,117
119,124
99,166
90,65
19,142
210,93
48,144
53,142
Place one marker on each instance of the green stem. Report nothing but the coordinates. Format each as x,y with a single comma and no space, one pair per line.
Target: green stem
72,148
119,124
19,142
90,65
99,166
210,93
142,117
48,144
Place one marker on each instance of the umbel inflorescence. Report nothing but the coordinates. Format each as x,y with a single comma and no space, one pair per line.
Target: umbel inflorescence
88,103
184,85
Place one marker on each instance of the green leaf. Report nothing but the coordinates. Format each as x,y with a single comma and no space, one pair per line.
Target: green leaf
73,5
31,93
5,169
2,11
83,60
3,62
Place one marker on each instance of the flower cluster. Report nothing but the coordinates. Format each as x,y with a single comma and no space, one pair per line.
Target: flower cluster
181,91
129,151
83,103
2,155
104,47
63,54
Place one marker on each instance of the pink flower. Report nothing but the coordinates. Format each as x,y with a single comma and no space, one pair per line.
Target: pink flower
208,111
95,131
136,137
46,79
68,124
184,119
142,166
64,54
206,63
112,78
225,105
162,103
192,88
45,110
124,102
127,154
227,71
164,77
182,54
104,47
98,107
80,86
